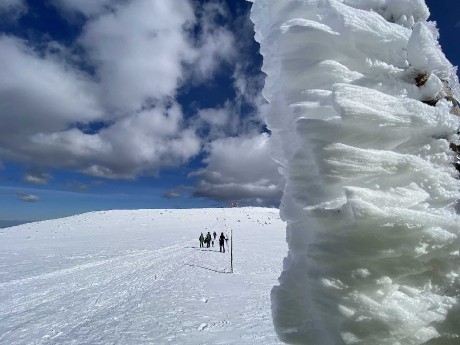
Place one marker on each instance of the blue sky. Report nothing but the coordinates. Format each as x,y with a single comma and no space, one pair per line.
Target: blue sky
119,104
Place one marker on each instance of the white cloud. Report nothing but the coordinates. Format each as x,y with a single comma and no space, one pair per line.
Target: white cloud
78,186
27,197
142,52
86,7
247,83
179,192
139,51
151,139
125,37
40,93
9,4
139,143
11,10
248,88
216,46
215,123
37,177
215,117
216,43
240,168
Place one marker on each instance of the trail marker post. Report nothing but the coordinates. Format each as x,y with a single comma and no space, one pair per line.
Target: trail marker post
231,250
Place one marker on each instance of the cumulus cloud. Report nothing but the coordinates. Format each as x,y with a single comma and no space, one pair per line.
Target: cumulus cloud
78,186
172,194
11,10
37,177
38,94
139,51
106,104
248,80
216,43
27,197
41,93
181,191
226,121
86,7
214,123
140,143
153,36
215,117
240,169
248,89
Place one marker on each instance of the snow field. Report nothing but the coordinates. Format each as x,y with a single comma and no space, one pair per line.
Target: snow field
139,277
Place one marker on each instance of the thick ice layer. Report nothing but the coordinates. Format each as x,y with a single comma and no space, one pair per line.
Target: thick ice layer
360,112
423,57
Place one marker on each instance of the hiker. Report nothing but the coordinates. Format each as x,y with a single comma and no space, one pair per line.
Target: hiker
222,242
201,240
208,239
214,235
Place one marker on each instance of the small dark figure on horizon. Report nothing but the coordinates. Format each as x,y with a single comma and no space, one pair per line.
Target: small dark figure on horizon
201,240
214,235
208,239
222,242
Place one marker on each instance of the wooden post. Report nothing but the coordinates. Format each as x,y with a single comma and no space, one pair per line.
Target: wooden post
231,251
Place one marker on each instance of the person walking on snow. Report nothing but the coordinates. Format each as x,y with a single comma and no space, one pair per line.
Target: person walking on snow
201,240
214,235
208,239
222,242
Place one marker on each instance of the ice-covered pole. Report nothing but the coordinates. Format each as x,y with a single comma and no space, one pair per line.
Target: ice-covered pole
362,110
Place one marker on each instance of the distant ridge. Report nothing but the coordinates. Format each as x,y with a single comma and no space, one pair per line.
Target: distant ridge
8,223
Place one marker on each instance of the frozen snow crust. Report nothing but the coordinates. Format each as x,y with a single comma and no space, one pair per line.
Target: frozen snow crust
361,103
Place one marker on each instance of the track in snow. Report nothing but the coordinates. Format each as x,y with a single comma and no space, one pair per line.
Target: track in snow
159,288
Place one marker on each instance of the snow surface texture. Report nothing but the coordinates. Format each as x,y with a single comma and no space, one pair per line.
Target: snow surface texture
139,277
371,186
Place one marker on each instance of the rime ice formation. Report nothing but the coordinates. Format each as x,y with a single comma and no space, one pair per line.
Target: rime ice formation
362,105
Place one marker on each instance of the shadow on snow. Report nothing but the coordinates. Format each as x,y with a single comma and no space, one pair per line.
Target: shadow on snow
209,269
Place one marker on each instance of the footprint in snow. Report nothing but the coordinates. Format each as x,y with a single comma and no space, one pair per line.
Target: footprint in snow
202,326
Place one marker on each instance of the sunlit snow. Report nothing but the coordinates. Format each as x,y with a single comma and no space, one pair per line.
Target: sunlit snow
140,277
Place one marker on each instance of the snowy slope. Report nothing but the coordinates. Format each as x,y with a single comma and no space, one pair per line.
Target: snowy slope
139,277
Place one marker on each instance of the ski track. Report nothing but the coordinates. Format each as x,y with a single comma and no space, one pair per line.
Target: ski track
108,285
176,294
